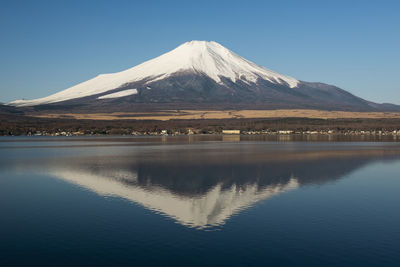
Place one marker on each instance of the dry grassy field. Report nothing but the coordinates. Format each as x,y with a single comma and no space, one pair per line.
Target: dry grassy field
227,114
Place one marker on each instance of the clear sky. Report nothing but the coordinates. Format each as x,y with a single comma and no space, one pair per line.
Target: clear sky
48,46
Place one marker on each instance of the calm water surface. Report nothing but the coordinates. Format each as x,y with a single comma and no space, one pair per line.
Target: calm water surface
208,200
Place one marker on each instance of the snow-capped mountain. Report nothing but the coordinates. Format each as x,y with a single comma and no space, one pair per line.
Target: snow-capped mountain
201,72
208,58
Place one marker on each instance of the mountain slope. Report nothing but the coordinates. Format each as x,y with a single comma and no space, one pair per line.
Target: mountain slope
204,74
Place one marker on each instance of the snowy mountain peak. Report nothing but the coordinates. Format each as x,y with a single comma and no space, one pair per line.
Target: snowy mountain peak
200,57
216,61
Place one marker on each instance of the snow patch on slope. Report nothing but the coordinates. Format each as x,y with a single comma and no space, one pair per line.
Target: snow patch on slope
209,58
119,94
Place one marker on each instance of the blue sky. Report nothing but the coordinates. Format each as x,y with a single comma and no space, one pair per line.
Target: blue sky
48,46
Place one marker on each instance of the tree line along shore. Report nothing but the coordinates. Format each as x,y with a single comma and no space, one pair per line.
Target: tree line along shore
24,125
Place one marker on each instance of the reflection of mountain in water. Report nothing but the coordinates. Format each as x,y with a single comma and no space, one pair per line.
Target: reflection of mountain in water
200,188
212,208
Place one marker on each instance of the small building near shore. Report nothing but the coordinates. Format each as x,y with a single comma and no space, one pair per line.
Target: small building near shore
230,131
285,132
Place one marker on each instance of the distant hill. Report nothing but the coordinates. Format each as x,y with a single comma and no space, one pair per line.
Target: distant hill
10,110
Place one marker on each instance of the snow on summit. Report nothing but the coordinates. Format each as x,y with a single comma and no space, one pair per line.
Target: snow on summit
208,58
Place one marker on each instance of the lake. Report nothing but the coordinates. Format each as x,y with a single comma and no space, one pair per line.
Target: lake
199,200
